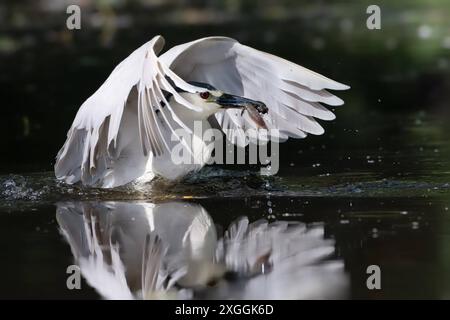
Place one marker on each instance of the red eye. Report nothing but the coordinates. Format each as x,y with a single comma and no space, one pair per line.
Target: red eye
204,95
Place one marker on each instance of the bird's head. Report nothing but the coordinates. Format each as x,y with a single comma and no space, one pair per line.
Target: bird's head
214,99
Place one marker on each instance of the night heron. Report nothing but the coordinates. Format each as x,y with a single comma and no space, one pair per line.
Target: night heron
126,129
143,250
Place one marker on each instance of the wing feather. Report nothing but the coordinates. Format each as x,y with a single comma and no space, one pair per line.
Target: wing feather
117,129
292,93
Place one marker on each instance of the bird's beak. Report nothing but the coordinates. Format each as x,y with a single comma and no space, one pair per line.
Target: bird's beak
228,101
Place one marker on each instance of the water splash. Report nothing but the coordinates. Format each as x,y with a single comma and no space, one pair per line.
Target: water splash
210,183
17,187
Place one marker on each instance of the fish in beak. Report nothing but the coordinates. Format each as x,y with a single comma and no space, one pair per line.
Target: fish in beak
254,108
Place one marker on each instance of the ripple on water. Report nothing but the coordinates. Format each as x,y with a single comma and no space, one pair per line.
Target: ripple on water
211,182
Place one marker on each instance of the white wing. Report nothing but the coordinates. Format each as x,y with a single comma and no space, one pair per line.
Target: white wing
116,129
292,93
279,260
123,248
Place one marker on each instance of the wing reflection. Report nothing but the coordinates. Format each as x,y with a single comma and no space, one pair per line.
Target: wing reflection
141,250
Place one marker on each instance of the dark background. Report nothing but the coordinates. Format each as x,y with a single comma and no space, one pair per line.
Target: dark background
396,73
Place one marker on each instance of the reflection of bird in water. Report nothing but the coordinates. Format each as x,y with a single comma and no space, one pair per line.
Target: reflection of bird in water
171,250
125,130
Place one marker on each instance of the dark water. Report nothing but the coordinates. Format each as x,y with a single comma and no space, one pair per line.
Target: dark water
375,187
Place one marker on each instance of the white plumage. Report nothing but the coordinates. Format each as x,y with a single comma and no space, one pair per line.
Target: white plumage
142,250
123,131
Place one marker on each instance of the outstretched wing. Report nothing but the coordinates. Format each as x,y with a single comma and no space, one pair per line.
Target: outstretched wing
117,128
292,93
